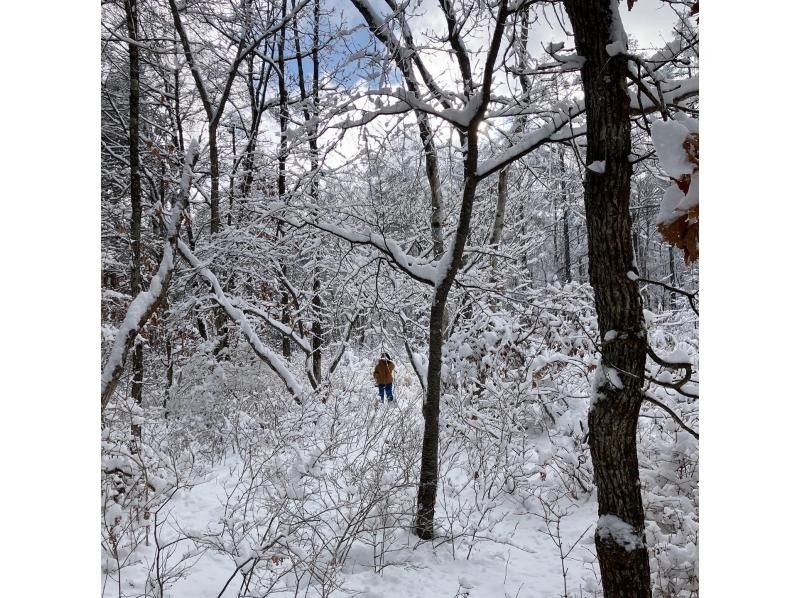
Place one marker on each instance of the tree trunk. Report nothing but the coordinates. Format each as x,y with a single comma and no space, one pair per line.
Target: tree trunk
311,131
232,178
283,117
136,197
429,467
499,214
316,331
614,414
214,158
316,302
170,378
565,205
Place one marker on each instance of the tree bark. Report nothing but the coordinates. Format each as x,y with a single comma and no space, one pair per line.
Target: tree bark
131,19
614,414
283,119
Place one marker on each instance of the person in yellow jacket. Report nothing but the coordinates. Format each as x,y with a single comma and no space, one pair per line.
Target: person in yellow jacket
383,377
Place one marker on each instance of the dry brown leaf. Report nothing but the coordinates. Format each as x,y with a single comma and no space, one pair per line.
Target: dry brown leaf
684,232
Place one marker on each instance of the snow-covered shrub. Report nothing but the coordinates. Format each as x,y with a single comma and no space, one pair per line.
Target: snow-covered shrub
139,480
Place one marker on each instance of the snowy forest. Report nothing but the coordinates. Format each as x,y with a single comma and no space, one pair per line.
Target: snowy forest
399,298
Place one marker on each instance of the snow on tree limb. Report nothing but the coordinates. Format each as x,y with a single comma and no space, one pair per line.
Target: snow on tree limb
529,142
343,345
427,272
146,302
276,324
673,92
275,363
139,311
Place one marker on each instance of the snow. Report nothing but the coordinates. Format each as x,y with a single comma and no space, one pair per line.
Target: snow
668,138
323,470
429,271
573,60
464,116
614,378
692,197
137,310
616,47
274,361
529,141
668,52
692,124
598,166
420,364
144,303
598,382
514,554
679,355
673,92
277,324
619,39
672,198
632,275
611,527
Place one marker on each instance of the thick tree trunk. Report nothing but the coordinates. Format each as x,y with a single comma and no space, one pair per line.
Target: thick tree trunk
429,467
232,178
497,230
136,197
432,173
499,213
624,566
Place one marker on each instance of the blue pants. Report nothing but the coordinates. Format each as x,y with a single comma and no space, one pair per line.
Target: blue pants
385,388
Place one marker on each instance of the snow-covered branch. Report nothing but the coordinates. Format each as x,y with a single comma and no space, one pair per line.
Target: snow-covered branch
146,302
274,361
424,271
672,91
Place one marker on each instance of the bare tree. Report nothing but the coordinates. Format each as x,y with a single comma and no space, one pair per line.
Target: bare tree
131,20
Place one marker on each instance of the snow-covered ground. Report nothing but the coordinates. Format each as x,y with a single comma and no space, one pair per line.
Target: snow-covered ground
502,546
243,492
528,565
